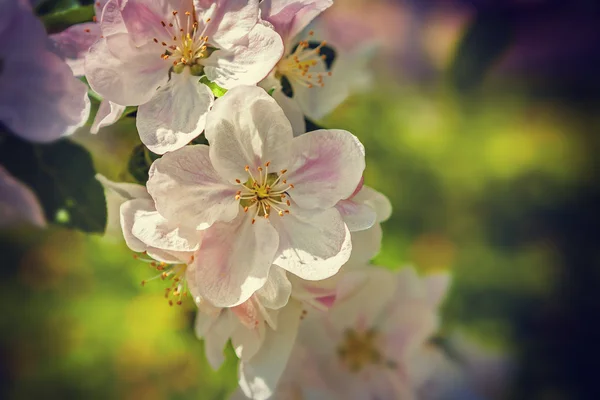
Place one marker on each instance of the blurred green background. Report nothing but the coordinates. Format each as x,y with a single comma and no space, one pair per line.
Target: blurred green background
491,173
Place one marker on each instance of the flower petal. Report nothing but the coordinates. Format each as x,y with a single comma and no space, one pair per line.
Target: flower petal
127,191
290,17
108,113
129,212
234,260
155,231
144,18
365,245
18,203
121,72
187,189
327,167
40,99
312,245
259,376
248,61
247,127
217,336
176,114
376,200
74,42
292,111
357,216
276,291
230,20
111,20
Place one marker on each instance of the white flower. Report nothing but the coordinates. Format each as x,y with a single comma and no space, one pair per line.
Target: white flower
154,53
257,197
367,345
305,82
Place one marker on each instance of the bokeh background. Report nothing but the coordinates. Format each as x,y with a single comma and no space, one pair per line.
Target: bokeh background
481,125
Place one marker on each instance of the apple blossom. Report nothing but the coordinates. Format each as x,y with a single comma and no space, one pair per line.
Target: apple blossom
73,44
303,83
367,345
258,196
40,100
18,203
154,53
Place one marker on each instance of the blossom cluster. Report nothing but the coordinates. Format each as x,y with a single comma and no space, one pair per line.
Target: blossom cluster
269,228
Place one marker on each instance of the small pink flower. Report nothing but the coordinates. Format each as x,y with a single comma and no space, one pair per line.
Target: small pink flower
154,53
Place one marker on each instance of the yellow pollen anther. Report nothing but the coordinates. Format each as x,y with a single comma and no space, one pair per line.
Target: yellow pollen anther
263,191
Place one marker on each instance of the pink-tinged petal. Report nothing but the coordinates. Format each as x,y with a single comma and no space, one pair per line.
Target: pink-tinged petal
110,18
155,231
247,342
247,127
327,167
259,376
292,111
312,245
216,338
276,291
230,20
234,260
40,100
290,17
357,216
144,19
248,61
129,212
176,114
187,189
98,7
125,190
365,245
18,203
108,113
74,42
376,200
123,73
437,286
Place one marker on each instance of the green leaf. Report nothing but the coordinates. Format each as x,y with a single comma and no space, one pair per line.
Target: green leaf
62,176
61,20
139,163
488,36
217,90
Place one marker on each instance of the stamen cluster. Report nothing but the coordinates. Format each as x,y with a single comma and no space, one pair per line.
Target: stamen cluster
265,193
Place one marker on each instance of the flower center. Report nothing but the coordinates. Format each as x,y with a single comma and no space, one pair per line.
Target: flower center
188,46
359,349
172,272
298,65
264,193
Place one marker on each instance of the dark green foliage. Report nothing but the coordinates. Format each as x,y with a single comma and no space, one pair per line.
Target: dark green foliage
488,36
62,176
61,20
139,163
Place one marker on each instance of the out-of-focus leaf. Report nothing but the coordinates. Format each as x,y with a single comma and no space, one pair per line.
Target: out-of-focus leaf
61,20
217,90
44,7
139,163
485,39
62,176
